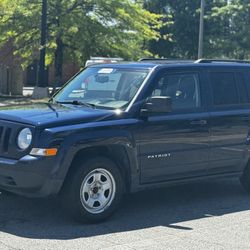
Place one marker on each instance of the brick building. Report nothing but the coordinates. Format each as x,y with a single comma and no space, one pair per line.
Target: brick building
30,74
11,73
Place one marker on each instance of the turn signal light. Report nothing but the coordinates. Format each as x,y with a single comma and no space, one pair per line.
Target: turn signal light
44,151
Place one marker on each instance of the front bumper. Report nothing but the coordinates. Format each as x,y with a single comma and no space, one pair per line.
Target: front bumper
29,176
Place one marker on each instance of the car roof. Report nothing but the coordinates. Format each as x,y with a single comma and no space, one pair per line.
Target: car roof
172,64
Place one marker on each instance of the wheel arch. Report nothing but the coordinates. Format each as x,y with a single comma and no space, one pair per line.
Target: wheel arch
117,153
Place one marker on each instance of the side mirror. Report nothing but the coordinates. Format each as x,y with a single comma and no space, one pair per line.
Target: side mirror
157,104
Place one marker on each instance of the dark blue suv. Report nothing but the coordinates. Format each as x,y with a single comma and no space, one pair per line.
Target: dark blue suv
119,128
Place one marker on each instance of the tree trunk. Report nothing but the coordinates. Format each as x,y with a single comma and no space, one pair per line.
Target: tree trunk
58,62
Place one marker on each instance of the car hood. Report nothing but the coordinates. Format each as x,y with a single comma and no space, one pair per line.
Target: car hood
50,115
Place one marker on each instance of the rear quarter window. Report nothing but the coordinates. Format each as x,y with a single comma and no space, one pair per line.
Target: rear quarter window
247,82
242,87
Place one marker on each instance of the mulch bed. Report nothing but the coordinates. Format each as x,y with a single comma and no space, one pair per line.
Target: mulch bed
13,101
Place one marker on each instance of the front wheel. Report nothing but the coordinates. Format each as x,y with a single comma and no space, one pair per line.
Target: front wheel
94,191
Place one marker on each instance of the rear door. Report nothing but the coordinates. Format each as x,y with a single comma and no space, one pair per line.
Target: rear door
229,119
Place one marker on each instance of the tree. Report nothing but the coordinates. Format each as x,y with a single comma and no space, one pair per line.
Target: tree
229,33
179,35
78,29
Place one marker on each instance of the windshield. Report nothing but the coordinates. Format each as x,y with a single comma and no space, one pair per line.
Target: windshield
111,88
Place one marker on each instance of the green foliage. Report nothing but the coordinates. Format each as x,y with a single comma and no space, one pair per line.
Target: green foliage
228,26
179,34
18,23
227,33
78,29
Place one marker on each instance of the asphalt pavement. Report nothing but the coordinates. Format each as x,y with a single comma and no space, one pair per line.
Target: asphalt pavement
205,215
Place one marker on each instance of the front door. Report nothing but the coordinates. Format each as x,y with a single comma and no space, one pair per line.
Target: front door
176,145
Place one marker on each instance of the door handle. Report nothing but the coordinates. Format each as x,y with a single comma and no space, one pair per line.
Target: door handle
199,122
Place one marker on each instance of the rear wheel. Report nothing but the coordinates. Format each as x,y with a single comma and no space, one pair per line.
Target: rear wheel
94,191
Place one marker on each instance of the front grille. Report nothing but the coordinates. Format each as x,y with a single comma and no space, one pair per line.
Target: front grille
8,135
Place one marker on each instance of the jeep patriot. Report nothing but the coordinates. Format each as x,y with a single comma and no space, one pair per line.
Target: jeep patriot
125,127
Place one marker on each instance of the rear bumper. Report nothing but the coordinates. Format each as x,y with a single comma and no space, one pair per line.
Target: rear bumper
29,176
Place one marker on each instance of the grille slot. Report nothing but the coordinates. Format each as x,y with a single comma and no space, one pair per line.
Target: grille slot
6,139
1,132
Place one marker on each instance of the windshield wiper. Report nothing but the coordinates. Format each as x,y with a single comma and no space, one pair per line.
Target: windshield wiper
78,103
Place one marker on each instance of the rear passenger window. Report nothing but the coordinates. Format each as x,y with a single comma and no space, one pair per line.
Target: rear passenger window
224,88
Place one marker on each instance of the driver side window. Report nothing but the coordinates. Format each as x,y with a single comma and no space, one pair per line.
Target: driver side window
183,89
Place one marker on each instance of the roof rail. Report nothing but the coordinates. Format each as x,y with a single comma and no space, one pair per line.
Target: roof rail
220,61
165,60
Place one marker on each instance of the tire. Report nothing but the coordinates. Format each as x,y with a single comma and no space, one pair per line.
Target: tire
245,179
94,190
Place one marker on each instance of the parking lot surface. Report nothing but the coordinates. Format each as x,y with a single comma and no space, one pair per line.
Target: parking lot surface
207,215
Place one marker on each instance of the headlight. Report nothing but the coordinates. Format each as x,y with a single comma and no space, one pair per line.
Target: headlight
24,138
